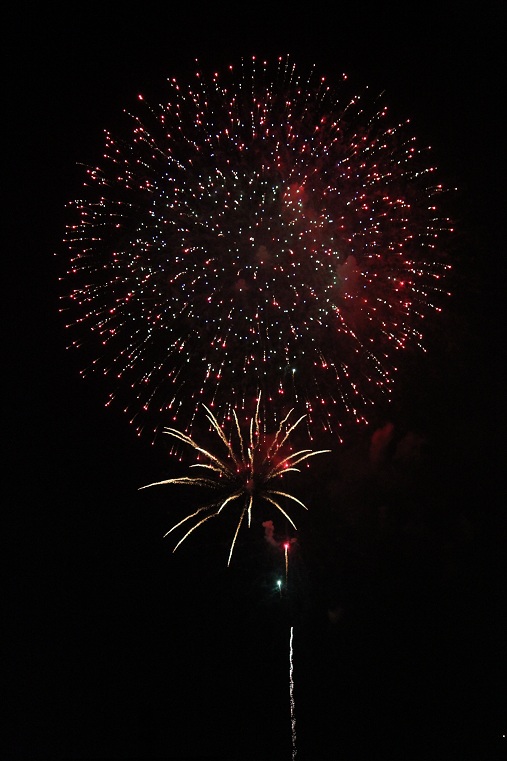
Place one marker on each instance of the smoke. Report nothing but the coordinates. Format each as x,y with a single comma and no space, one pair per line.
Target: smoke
269,536
409,448
269,531
380,440
348,276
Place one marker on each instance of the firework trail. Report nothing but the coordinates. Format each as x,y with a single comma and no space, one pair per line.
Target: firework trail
257,229
291,695
244,473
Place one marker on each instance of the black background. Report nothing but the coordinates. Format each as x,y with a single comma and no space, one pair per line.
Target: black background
120,649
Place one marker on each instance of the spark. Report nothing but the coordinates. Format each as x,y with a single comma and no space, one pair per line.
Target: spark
248,471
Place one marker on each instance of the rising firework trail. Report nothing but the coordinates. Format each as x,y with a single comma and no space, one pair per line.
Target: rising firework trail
256,228
245,471
291,695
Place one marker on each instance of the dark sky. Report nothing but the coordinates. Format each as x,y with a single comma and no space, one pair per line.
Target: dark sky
121,649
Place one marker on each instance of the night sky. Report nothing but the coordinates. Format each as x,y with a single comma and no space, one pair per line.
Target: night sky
118,648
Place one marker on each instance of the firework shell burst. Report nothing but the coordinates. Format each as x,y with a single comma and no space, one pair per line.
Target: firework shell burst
259,231
246,471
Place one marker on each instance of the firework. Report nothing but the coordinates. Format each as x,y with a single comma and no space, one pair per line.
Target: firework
260,230
246,472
